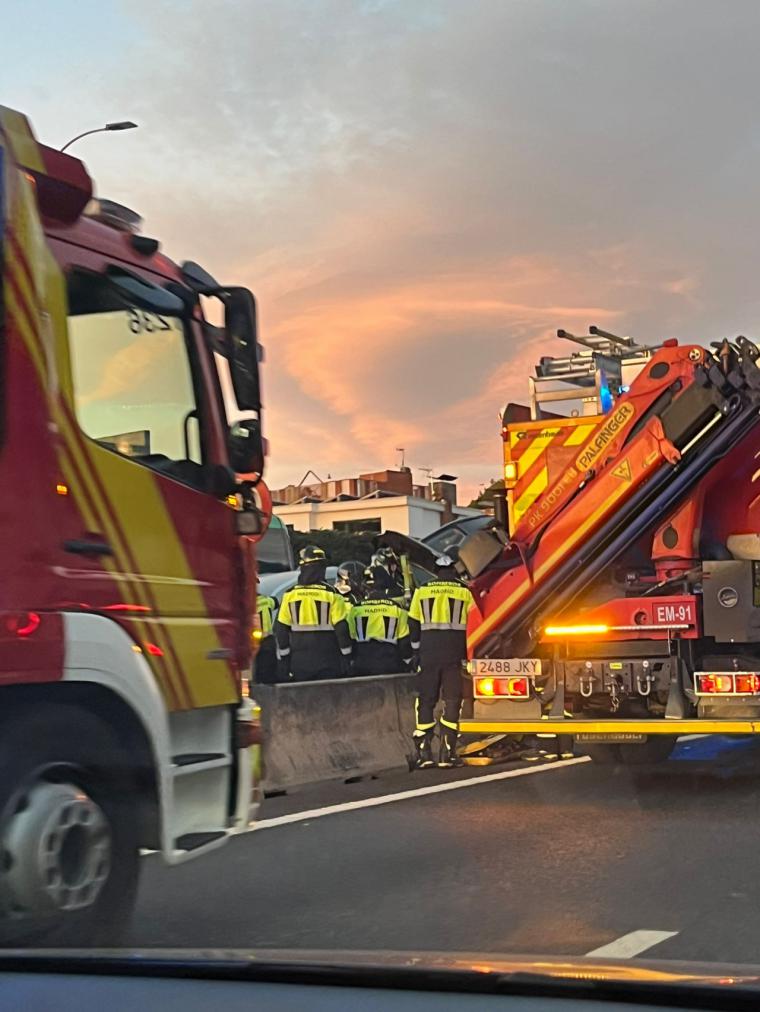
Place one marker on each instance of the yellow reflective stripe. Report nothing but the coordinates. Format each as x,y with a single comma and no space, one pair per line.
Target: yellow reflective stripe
529,494
137,502
579,434
578,533
533,452
21,140
129,582
80,484
417,724
20,321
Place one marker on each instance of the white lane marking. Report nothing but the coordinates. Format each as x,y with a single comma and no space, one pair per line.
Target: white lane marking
631,944
692,737
386,799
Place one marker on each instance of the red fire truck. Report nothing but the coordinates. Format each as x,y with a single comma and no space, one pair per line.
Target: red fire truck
130,497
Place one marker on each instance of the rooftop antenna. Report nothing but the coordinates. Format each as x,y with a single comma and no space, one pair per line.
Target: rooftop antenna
301,482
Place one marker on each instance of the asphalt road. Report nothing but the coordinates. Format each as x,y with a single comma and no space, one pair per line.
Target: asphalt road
560,860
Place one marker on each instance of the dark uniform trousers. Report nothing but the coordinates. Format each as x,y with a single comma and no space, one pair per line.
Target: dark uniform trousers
440,677
265,662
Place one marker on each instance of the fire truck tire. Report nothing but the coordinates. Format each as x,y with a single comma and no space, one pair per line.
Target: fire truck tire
656,749
69,855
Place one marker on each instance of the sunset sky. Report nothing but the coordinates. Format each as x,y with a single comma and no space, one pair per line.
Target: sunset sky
421,191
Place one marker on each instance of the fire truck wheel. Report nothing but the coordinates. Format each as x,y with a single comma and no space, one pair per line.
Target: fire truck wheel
656,749
607,755
69,857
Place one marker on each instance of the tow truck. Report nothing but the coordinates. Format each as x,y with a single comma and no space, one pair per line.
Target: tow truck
618,599
131,498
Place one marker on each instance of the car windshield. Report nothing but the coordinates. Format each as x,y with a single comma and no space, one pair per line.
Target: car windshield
380,483
275,552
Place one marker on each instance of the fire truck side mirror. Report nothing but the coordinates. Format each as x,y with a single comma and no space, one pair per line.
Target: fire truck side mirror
246,447
241,338
239,342
249,522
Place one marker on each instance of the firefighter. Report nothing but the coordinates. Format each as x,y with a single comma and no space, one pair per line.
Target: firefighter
387,573
438,623
265,661
349,582
311,630
380,631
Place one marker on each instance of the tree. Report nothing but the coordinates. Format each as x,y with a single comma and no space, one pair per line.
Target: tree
484,500
338,546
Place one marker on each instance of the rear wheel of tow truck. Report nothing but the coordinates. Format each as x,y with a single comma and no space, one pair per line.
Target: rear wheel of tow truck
69,858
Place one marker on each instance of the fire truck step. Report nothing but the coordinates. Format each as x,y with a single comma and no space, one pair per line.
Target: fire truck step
199,762
192,841
190,758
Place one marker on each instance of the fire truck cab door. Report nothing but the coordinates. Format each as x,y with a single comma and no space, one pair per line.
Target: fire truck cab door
156,550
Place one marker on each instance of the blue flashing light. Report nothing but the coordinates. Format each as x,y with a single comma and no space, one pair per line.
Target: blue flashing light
605,398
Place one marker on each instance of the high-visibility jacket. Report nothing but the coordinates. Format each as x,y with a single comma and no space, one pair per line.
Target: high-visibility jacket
438,620
266,608
380,631
312,631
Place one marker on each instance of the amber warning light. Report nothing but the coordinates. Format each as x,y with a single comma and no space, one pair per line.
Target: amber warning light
576,630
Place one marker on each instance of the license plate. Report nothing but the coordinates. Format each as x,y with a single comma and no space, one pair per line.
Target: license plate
528,667
680,613
625,737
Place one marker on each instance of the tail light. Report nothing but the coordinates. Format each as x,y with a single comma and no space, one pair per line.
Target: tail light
739,683
22,623
747,684
492,688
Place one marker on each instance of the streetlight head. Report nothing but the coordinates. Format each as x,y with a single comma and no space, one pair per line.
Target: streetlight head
125,124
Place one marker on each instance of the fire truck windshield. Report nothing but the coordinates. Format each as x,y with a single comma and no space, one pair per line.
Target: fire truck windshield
133,383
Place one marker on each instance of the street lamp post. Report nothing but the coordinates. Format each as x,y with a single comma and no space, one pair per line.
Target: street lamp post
125,124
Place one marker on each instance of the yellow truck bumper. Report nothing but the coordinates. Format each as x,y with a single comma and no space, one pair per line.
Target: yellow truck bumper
609,726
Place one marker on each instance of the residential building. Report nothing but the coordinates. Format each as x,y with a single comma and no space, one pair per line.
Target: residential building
375,501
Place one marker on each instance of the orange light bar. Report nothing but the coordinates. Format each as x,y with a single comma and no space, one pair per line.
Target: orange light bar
576,630
62,489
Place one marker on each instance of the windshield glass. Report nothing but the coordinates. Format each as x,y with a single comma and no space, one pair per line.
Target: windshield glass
132,380
274,552
380,481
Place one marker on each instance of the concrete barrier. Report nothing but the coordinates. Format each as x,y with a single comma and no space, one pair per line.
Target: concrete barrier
333,730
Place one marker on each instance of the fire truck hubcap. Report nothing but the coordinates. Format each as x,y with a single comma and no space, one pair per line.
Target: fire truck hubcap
56,851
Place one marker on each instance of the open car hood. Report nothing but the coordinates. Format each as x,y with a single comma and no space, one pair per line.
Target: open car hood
418,553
